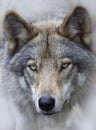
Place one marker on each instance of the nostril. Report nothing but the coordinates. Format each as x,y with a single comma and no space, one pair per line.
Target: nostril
46,103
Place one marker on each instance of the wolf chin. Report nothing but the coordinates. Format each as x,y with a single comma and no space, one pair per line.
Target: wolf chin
46,68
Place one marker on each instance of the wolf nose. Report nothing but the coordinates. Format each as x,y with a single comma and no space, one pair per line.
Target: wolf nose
46,103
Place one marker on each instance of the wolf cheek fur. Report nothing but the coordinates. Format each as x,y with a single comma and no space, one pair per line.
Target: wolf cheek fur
45,65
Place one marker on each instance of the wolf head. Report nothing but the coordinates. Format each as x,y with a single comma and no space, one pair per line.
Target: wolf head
51,60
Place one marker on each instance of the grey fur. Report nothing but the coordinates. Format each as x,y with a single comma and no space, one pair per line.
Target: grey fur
46,49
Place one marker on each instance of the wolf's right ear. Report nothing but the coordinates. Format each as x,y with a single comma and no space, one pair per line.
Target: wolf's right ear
17,30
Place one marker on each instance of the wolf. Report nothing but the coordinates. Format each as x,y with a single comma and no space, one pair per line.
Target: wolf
46,68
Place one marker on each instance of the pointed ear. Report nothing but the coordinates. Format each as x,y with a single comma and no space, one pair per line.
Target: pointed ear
17,30
77,26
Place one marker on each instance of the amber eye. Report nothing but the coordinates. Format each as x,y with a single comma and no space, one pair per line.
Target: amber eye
33,67
66,65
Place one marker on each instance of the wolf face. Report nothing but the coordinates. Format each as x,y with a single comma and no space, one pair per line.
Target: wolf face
50,60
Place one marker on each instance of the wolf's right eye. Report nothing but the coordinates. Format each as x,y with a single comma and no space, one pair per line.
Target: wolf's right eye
33,67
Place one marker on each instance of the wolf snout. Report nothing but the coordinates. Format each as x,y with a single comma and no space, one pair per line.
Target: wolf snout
46,103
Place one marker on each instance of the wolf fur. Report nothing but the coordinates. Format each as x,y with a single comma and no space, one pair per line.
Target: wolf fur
47,56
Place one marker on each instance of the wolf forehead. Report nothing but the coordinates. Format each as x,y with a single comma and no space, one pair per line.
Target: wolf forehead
48,27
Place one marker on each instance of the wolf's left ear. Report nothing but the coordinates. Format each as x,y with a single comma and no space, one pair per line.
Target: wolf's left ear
17,30
77,26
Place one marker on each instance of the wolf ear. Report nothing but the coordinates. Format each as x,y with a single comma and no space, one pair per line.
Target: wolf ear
77,26
17,30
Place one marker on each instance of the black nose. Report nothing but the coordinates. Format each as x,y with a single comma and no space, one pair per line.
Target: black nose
46,103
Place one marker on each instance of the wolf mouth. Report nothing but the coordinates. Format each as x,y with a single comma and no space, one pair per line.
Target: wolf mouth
48,113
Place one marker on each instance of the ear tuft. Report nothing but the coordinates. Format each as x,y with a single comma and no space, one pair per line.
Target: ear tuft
77,26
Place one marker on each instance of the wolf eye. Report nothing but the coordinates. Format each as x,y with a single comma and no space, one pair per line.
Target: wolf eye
65,65
33,67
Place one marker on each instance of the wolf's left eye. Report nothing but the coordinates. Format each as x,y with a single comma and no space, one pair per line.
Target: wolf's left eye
65,65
